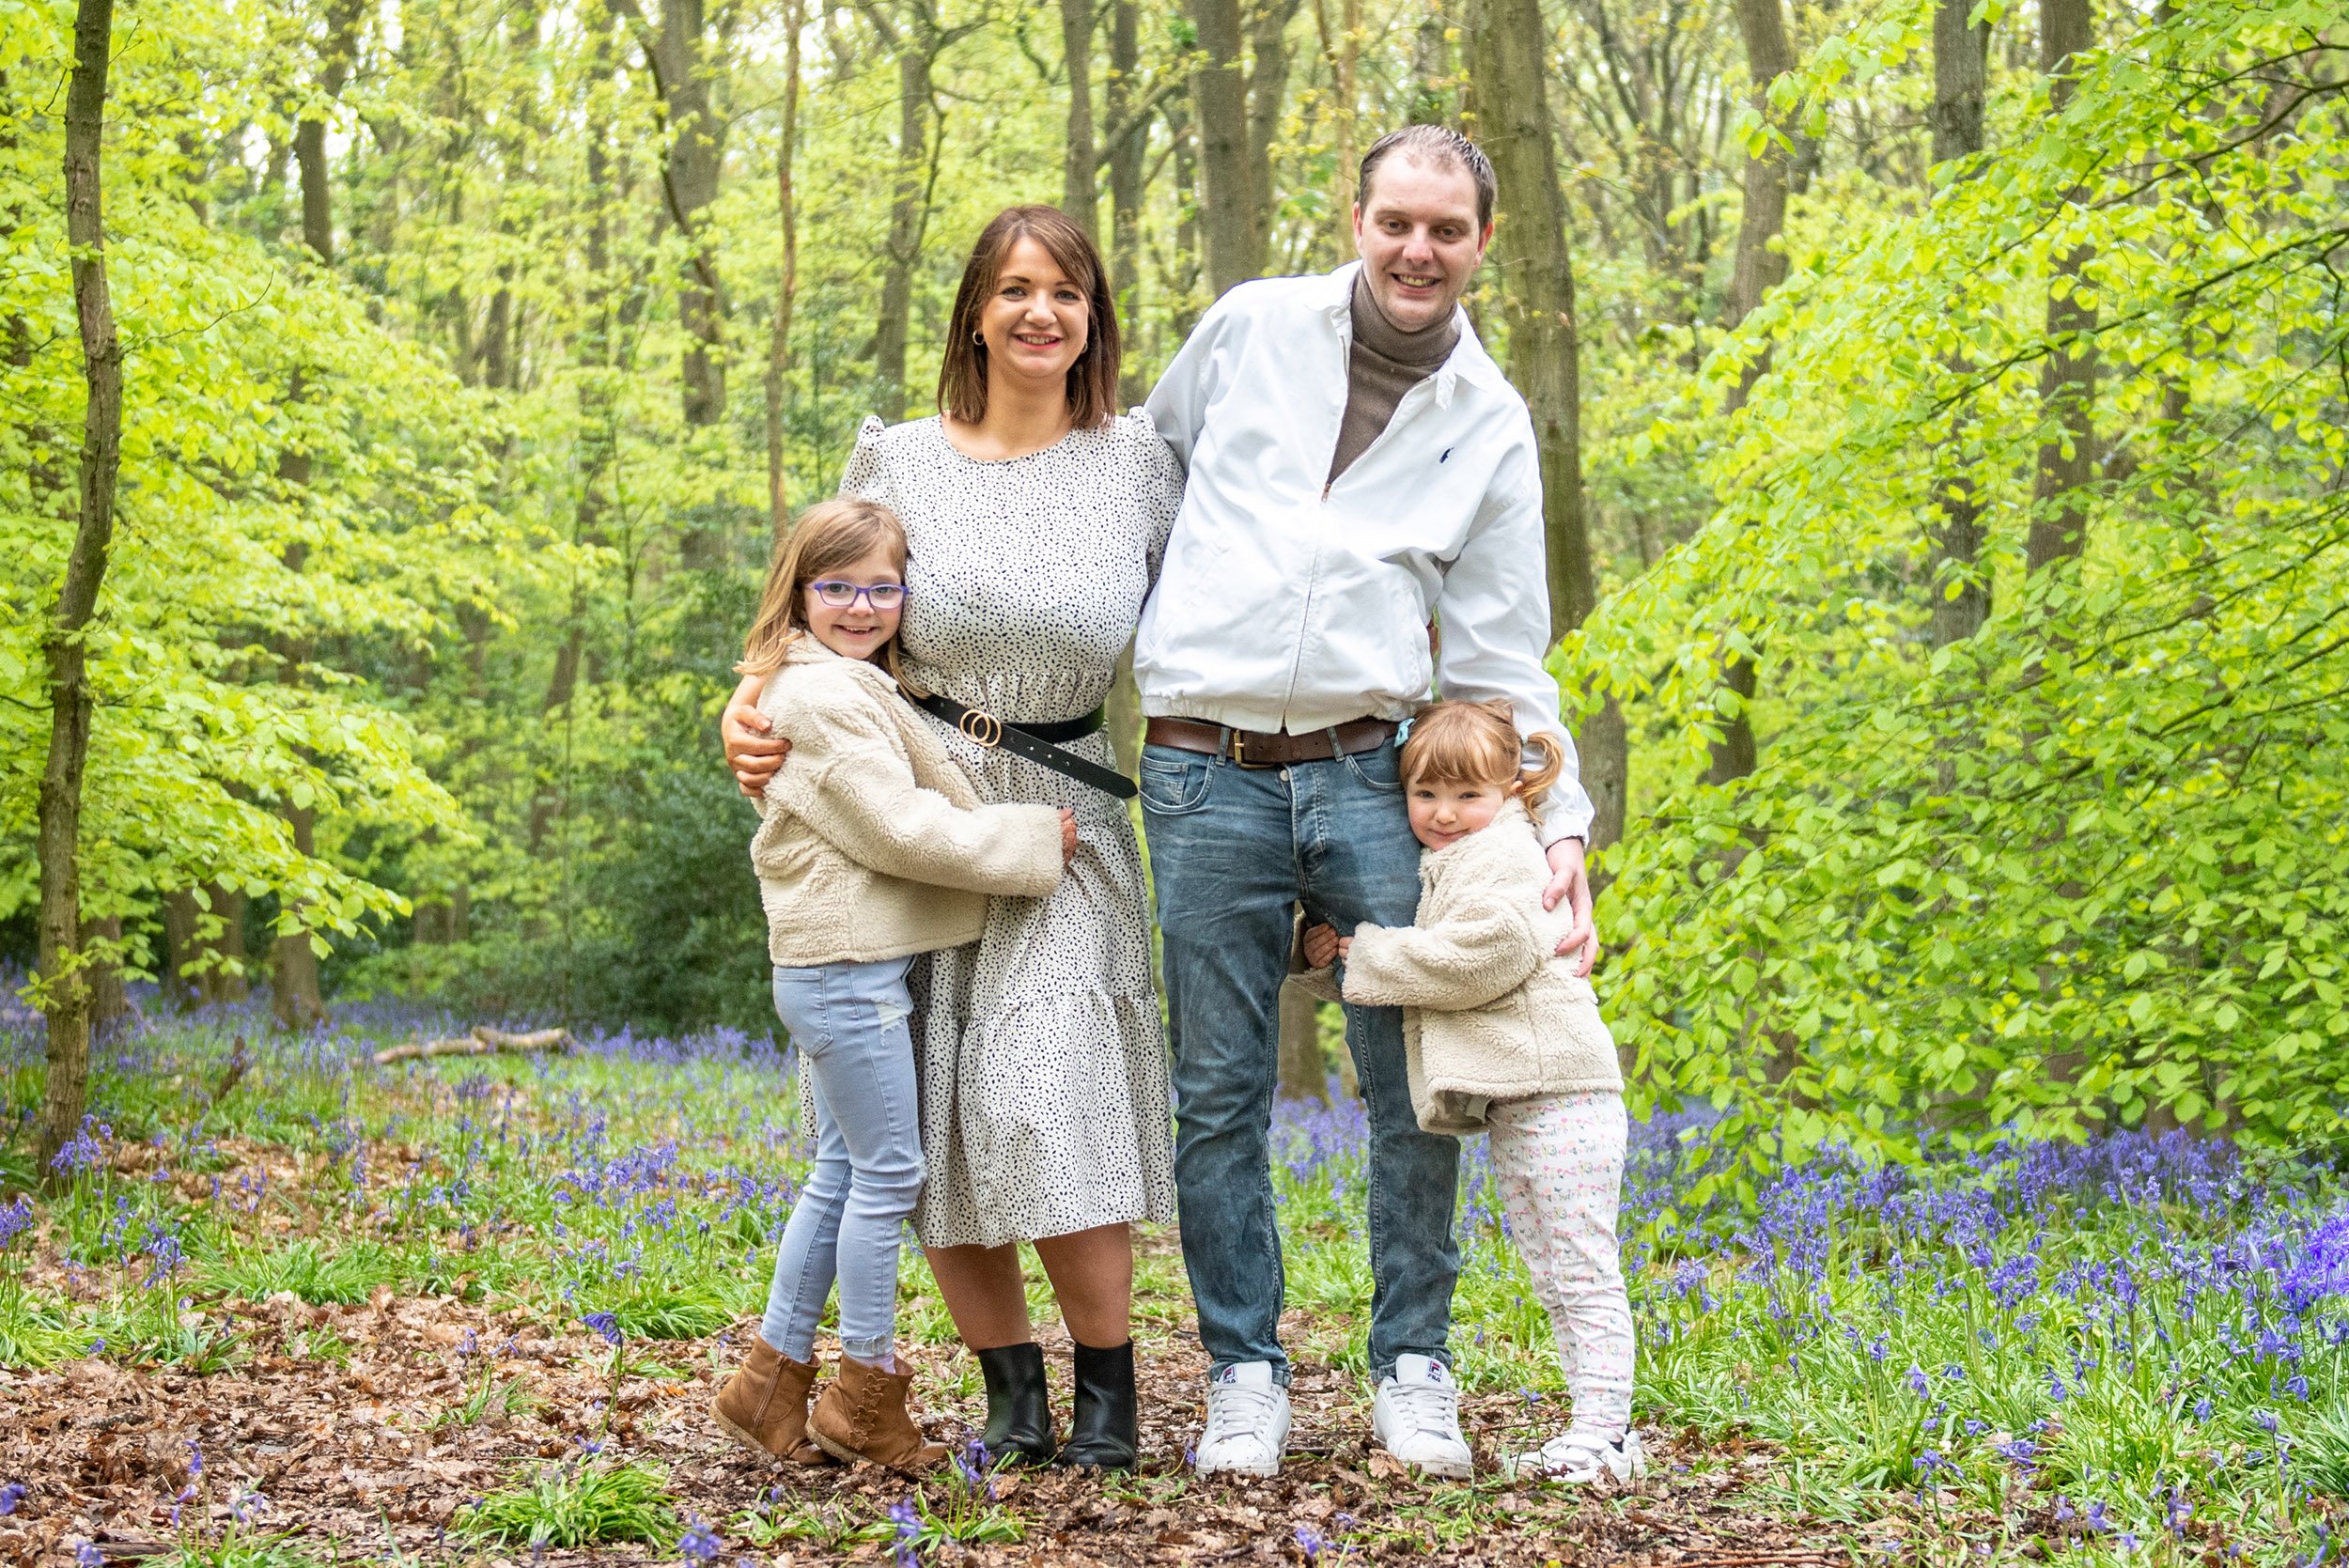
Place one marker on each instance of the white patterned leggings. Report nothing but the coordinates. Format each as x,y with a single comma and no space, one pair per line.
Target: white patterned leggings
1559,1158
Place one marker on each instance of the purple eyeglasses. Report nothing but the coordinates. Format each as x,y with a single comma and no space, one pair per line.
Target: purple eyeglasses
835,595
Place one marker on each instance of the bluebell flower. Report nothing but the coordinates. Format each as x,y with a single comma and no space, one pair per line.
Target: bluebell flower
699,1543
605,1325
909,1525
10,1494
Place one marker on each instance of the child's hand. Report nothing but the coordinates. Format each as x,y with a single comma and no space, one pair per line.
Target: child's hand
1345,946
1068,836
1322,946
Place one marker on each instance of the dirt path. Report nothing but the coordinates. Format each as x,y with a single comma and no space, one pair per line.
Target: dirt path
369,1459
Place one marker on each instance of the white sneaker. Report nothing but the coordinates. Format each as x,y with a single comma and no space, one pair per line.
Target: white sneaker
1579,1458
1248,1422
1416,1417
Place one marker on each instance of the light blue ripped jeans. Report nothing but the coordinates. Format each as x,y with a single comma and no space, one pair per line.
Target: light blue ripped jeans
849,1023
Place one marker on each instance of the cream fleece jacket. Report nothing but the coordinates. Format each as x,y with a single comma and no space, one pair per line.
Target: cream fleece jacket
874,844
1489,1011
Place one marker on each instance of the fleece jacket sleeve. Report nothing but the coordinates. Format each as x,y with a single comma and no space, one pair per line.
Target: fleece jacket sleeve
848,782
1465,959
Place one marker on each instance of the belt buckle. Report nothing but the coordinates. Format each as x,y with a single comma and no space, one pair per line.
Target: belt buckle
981,727
1239,757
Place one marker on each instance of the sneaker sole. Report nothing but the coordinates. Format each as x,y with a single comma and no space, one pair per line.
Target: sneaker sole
1450,1469
1264,1472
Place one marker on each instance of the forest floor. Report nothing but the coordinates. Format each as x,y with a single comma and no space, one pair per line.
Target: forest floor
373,1458
312,1309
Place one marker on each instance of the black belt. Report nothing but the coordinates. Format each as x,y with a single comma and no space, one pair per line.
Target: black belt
1034,742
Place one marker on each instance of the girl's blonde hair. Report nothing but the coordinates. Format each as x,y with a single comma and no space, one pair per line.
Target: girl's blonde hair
1478,743
829,537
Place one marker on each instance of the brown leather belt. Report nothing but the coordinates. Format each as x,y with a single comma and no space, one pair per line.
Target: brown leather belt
1271,748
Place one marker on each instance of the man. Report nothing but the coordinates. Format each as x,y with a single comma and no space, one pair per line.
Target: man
1364,512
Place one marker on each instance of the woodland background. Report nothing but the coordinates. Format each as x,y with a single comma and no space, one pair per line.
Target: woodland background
1944,408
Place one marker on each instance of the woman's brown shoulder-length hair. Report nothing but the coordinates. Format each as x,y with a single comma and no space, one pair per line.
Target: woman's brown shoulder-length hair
1093,379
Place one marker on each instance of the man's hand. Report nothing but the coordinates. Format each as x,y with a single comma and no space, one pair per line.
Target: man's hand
753,750
1324,946
1068,836
1568,880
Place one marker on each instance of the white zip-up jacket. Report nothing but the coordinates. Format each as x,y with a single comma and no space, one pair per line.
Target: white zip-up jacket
1288,603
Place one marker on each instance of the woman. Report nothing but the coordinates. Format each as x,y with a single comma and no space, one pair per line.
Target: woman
1036,518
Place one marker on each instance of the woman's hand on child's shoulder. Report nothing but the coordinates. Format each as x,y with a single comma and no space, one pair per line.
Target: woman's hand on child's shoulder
1068,836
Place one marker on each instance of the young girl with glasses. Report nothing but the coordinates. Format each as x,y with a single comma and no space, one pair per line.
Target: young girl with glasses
1500,1033
874,847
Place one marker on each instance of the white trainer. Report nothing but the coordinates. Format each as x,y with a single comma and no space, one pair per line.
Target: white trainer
1248,1422
1416,1417
1579,1458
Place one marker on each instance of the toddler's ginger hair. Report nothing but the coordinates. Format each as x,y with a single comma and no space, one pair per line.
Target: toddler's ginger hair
1460,742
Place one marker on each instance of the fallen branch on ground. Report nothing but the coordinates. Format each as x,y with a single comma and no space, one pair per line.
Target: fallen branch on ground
483,1041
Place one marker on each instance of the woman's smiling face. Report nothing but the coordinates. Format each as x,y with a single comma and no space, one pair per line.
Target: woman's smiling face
1038,322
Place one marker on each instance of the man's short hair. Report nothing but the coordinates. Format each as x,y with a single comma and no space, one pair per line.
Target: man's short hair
1434,144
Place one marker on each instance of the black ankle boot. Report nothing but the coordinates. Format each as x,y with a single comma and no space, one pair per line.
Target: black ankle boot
1019,1408
1106,1432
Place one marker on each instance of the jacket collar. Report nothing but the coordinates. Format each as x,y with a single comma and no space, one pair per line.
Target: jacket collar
805,649
1511,818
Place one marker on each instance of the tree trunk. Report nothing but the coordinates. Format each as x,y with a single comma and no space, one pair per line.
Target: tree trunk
343,18
1125,155
1078,164
1344,54
909,215
1220,96
197,969
681,69
66,998
788,285
101,944
181,915
295,970
1760,266
1431,70
1508,76
1302,1074
1961,80
2067,382
1267,89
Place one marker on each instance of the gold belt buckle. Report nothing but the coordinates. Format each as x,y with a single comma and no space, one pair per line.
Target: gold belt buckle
981,727
1239,754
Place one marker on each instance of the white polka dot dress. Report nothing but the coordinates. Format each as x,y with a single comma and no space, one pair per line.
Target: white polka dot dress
1045,1102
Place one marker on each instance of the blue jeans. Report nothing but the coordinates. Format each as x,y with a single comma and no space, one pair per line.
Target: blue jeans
849,1023
1231,849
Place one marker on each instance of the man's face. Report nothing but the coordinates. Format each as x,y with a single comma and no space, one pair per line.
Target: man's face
1417,231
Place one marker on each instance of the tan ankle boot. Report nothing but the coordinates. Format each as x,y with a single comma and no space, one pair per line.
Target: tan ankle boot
765,1404
862,1415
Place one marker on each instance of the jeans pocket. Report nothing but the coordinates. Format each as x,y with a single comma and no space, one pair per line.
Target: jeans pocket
799,1003
1377,769
1173,783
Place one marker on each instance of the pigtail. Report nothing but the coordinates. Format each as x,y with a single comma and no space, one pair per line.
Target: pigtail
1535,780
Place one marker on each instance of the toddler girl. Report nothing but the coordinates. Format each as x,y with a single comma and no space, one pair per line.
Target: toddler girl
1498,1033
873,848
